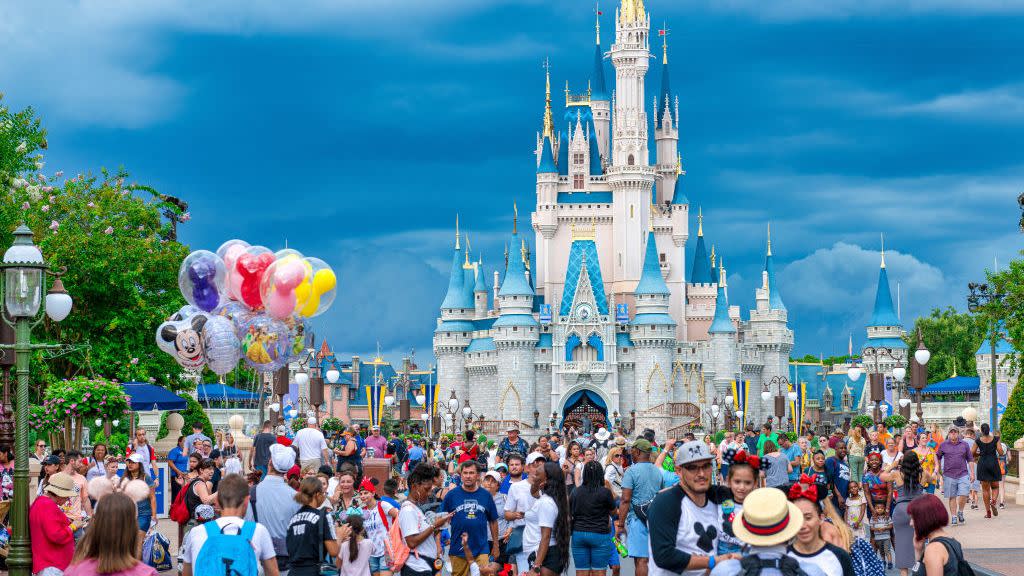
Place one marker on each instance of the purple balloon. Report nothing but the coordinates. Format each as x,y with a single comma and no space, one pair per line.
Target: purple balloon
201,280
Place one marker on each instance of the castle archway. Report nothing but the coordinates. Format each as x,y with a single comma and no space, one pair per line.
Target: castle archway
583,403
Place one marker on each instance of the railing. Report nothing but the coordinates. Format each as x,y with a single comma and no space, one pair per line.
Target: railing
585,367
494,428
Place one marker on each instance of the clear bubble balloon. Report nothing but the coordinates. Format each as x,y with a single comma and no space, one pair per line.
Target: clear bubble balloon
201,279
229,253
288,253
315,297
186,311
279,285
249,267
265,342
223,349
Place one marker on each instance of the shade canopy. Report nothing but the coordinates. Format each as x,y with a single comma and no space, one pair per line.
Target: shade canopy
954,385
151,397
207,392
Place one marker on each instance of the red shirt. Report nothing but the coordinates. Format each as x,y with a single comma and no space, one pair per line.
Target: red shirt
53,544
284,441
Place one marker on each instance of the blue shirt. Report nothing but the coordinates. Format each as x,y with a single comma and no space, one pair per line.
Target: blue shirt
473,512
645,480
669,479
416,454
180,459
838,473
793,453
391,501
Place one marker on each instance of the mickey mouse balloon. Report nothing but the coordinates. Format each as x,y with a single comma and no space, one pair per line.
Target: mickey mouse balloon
201,279
183,339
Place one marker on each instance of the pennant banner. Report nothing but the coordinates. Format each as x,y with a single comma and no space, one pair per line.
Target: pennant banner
375,401
796,408
740,390
430,404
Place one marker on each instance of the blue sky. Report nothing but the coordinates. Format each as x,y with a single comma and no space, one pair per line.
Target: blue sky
356,130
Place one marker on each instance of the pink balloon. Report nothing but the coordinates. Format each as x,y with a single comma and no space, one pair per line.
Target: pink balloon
279,283
234,280
279,305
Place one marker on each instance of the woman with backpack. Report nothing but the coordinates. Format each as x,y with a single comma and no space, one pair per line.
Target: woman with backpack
198,491
938,553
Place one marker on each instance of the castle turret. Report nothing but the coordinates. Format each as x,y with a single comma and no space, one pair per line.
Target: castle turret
666,131
701,290
480,290
452,334
769,332
885,333
653,333
515,334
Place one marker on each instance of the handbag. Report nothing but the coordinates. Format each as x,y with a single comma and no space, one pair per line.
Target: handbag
515,540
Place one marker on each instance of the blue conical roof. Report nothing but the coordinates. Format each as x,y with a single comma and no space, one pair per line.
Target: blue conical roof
515,283
1003,346
468,282
453,298
700,272
481,282
774,298
651,281
563,154
547,159
597,87
664,98
678,196
721,324
884,314
595,151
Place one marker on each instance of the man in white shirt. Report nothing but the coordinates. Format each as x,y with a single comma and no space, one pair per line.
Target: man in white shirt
519,501
233,495
312,445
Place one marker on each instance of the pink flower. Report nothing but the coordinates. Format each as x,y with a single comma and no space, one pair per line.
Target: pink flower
58,174
52,197
109,230
45,208
67,411
135,361
91,205
186,217
54,225
25,205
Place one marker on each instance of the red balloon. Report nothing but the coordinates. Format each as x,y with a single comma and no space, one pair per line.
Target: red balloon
251,268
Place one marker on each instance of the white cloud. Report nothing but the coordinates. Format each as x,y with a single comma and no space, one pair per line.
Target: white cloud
999,104
782,145
801,10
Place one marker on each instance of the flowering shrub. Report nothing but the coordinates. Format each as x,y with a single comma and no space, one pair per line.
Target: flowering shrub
69,403
331,425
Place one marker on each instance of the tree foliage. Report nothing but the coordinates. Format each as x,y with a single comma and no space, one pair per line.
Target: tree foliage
863,420
116,238
827,361
1008,313
952,337
1011,424
193,412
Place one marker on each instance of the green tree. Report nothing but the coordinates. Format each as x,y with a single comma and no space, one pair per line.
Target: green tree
116,238
952,337
1009,312
1011,424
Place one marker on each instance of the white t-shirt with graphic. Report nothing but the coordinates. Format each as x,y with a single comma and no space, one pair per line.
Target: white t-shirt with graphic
698,533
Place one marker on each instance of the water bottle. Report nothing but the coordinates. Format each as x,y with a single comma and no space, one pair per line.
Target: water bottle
620,547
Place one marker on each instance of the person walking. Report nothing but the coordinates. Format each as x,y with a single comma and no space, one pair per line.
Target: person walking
421,535
259,456
953,457
96,468
838,475
592,506
53,540
377,443
855,446
197,434
987,450
766,435
809,547
939,554
474,514
908,480
234,507
312,445
926,456
144,449
640,484
272,503
177,463
110,543
685,518
377,519
135,470
779,466
311,533
546,537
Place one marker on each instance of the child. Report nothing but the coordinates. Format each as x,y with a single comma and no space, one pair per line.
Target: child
354,559
489,569
856,509
881,539
741,479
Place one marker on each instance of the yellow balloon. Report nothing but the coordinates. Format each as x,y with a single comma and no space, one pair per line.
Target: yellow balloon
302,290
323,282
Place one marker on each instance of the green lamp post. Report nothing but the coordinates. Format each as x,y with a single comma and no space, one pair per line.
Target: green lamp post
25,279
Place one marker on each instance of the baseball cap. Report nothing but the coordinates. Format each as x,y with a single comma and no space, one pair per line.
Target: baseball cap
501,466
281,457
61,484
642,444
311,421
692,451
533,457
137,458
281,430
494,475
52,460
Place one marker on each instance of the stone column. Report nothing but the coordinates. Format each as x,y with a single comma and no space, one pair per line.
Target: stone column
1018,446
235,425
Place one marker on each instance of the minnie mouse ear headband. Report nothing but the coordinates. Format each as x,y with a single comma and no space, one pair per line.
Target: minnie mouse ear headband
807,488
734,456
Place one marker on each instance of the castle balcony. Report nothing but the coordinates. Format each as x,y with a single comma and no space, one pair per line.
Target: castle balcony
586,367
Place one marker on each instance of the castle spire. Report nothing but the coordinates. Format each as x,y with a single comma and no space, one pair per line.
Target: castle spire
883,314
664,32
774,298
549,125
722,324
700,272
597,22
456,231
700,221
651,280
453,298
883,249
769,238
515,218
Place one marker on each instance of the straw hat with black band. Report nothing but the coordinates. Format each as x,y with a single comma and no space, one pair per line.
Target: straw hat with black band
768,518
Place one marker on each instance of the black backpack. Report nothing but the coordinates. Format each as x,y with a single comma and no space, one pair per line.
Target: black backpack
956,554
752,565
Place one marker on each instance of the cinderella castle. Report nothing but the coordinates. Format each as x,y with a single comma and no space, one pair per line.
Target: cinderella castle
603,310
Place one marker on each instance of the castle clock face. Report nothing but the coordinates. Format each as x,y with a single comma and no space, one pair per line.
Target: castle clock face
584,312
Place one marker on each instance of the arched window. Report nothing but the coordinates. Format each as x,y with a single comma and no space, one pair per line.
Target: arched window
630,160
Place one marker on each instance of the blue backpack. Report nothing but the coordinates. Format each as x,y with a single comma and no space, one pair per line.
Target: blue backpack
227,554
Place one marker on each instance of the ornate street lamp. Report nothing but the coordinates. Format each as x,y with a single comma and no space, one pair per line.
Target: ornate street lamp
715,409
780,398
25,273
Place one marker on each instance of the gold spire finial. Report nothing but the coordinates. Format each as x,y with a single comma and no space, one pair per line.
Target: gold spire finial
515,218
883,249
700,221
679,164
769,238
712,255
664,32
597,21
549,126
456,231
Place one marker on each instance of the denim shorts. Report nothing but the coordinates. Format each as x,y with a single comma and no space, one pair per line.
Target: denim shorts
378,564
590,550
953,487
636,538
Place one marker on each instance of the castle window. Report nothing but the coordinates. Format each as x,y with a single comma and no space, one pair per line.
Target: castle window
336,393
630,160
577,159
577,181
661,257
630,207
351,394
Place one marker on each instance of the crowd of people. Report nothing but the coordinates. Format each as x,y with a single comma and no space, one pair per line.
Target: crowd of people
854,503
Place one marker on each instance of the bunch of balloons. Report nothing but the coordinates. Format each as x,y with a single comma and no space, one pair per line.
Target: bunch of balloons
245,302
